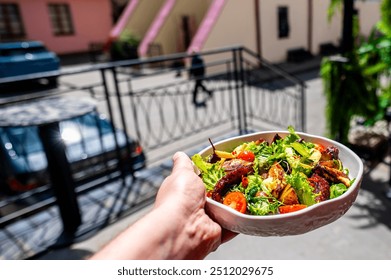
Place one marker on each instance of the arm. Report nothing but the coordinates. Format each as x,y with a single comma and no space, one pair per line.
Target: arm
176,228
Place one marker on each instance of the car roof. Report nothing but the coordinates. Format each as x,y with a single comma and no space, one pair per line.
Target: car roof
20,45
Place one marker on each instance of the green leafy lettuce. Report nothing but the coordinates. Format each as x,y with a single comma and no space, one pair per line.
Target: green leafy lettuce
211,173
256,204
337,190
302,188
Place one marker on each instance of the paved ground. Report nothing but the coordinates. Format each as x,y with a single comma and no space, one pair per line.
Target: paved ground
364,232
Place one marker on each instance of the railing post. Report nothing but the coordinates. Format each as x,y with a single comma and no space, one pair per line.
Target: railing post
110,109
122,116
303,107
242,90
237,90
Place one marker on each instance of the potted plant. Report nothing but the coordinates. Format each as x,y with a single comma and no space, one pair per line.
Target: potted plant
125,47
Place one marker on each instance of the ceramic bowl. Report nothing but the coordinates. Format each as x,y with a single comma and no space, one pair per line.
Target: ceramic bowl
294,223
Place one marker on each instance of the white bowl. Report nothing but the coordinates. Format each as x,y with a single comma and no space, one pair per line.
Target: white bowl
294,223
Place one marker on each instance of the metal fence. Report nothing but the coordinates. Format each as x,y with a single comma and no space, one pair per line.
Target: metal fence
150,100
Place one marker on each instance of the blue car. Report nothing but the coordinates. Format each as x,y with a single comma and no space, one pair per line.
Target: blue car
30,57
91,147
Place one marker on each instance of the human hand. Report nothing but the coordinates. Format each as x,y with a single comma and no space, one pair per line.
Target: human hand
182,197
176,228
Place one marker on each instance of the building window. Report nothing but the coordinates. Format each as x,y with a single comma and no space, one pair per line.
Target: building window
60,16
11,25
283,22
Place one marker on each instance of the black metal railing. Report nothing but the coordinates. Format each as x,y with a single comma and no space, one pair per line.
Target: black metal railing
153,106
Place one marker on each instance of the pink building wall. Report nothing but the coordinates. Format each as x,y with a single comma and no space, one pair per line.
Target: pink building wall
91,21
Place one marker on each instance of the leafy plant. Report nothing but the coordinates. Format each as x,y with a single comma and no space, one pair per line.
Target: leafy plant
358,83
125,47
347,95
384,24
375,59
129,38
333,6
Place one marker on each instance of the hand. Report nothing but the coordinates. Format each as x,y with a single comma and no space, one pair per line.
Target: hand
177,227
182,194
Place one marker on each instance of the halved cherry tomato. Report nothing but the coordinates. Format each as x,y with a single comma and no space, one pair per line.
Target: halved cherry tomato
291,208
237,201
246,155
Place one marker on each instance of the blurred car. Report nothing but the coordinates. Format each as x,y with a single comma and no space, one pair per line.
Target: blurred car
30,57
91,148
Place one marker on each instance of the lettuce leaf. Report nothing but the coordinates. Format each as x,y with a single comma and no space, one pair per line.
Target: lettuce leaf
263,205
302,187
211,173
337,190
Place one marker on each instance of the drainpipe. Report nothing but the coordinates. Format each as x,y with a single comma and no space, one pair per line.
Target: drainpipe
347,29
310,22
257,28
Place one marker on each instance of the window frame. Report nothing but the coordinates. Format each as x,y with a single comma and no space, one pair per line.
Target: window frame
60,16
13,22
283,26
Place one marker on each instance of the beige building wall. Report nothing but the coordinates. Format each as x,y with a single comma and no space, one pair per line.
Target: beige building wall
169,35
143,16
273,48
235,26
369,15
324,30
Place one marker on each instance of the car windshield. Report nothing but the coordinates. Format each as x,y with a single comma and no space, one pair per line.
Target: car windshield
87,127
21,140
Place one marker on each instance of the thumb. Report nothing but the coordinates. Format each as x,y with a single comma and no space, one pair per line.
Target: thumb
182,162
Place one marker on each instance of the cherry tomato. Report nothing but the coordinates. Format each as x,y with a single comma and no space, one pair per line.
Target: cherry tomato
246,155
237,201
291,208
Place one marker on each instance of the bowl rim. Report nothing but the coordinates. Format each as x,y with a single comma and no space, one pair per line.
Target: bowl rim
311,208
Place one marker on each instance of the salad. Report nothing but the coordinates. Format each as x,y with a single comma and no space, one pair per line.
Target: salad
286,175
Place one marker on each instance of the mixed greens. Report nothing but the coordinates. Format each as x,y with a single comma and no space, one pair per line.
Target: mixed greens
262,178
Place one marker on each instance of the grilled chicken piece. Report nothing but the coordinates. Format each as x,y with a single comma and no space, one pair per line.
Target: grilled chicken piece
278,186
330,153
334,163
233,164
332,174
275,180
321,187
276,172
289,196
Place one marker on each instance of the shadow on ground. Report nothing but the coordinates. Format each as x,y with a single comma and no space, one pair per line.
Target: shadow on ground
65,254
377,204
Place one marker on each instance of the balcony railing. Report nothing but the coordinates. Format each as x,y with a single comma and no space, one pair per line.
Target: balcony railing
152,105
